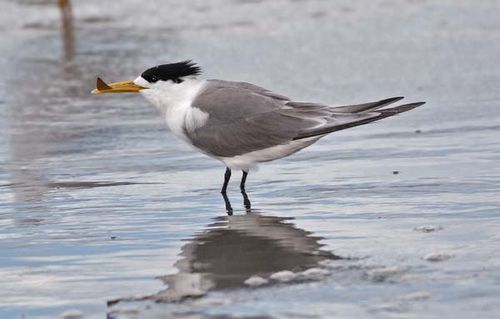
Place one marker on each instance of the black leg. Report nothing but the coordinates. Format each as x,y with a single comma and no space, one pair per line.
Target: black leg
227,177
243,181
229,208
246,201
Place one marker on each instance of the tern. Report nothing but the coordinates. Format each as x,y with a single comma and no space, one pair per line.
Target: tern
239,123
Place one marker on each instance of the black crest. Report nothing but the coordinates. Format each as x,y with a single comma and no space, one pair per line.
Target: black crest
171,71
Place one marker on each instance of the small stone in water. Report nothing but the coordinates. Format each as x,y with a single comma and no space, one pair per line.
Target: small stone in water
255,281
283,276
434,257
387,273
72,314
315,273
417,295
428,228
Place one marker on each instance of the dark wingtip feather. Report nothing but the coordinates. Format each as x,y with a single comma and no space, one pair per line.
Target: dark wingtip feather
383,113
400,108
366,107
391,100
410,106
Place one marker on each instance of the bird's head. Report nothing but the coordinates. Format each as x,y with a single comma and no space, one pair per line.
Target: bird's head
155,83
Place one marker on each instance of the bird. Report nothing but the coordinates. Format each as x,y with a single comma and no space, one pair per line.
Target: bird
239,123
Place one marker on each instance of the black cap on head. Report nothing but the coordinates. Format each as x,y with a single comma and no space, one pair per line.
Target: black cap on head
171,71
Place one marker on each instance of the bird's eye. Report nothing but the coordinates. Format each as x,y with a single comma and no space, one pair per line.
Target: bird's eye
154,78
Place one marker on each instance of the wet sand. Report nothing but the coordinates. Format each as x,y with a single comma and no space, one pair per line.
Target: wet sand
103,211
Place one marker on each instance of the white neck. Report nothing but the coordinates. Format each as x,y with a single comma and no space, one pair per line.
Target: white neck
174,102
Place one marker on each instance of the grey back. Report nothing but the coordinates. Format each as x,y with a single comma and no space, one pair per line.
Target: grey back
244,118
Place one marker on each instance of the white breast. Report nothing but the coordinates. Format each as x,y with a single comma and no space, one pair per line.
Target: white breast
174,102
182,117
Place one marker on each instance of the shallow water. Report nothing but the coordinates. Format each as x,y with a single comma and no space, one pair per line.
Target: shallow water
102,211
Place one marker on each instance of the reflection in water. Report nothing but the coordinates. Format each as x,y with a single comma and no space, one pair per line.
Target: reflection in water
34,108
68,38
70,67
234,248
246,203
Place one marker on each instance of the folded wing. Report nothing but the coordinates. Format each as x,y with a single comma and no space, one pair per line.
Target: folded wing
244,118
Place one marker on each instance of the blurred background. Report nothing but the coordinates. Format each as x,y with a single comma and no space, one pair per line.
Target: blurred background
399,219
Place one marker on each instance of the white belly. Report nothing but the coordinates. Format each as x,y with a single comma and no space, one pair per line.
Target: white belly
249,160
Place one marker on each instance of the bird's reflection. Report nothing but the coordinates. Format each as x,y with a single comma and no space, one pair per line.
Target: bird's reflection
246,203
234,248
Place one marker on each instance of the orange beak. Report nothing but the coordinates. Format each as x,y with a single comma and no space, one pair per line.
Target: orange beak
116,87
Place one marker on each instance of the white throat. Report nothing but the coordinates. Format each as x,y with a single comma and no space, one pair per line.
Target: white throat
174,102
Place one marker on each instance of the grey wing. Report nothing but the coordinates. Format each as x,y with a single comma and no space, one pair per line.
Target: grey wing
227,101
243,118
242,136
